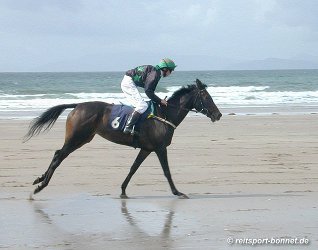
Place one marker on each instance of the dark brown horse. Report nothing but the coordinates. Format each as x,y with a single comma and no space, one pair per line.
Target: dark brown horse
91,118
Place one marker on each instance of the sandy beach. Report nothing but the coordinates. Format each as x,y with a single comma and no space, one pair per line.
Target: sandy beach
248,177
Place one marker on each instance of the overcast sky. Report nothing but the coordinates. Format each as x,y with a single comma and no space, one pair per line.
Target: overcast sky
75,35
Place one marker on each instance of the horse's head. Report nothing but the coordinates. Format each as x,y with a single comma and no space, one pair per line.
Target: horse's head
204,103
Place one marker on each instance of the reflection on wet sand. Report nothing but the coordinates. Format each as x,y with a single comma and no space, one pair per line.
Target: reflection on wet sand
166,224
135,222
99,222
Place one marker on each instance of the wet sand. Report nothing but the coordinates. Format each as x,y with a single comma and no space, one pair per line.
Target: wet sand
248,177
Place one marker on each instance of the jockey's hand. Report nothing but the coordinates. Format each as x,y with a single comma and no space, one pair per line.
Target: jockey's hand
164,102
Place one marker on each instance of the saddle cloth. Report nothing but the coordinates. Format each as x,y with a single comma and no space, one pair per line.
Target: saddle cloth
120,114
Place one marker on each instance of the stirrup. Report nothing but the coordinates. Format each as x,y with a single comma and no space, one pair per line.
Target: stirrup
130,126
132,131
128,130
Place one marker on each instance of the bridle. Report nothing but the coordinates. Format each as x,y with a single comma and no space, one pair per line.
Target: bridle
203,110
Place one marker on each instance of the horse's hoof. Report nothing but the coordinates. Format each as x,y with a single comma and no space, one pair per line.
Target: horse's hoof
183,196
124,196
37,180
37,190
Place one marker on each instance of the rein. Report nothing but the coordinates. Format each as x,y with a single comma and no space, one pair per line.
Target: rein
203,109
190,110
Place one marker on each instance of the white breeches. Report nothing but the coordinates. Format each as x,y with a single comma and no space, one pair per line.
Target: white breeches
132,94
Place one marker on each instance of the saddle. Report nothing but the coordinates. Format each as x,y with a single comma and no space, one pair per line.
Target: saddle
120,114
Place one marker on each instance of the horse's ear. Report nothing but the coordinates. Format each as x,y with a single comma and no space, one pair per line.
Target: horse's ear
200,85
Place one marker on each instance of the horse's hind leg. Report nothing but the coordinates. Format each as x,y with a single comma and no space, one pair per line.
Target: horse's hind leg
74,140
69,147
40,179
58,157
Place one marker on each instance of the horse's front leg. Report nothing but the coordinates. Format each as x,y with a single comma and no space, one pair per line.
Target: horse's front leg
163,158
140,158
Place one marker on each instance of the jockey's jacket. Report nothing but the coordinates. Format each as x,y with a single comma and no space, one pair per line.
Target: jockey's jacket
147,77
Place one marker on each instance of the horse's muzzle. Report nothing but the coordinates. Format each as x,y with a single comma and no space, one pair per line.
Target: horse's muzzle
215,116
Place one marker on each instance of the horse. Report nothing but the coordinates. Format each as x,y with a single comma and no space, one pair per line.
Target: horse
90,118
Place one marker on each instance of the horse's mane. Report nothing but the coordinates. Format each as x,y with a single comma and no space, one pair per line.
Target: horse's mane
184,90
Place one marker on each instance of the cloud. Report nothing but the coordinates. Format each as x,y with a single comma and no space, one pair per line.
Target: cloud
37,33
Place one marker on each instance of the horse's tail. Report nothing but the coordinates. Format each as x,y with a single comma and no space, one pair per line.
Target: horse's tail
47,120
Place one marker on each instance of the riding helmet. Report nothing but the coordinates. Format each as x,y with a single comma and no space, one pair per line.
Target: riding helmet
167,63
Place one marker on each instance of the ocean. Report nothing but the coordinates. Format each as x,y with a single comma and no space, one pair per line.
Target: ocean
263,92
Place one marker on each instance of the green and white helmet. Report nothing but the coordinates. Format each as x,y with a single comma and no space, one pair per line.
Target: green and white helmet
167,63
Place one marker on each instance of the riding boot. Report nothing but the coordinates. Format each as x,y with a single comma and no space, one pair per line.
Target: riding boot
131,122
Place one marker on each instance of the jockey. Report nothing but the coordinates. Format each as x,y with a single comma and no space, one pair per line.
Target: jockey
146,77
